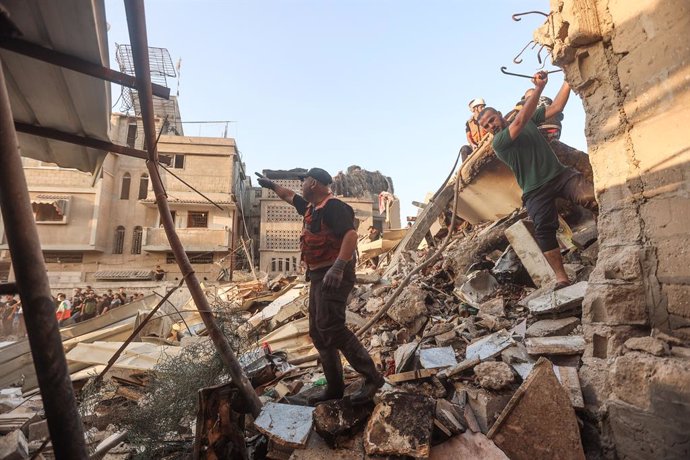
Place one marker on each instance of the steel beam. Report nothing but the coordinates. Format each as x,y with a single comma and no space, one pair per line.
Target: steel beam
64,423
76,64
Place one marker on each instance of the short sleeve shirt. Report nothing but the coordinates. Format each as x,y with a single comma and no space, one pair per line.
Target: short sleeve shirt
337,215
529,156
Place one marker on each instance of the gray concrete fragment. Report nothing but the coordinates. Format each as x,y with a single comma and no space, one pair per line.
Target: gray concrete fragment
479,286
285,424
551,327
566,299
404,355
562,345
494,375
489,346
431,358
13,446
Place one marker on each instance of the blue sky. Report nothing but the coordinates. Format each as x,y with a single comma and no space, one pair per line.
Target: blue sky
381,84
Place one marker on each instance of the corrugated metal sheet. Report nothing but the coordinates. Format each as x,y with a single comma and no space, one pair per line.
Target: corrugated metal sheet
123,275
49,96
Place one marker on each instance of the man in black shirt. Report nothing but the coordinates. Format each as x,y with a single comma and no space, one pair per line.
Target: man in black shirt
327,243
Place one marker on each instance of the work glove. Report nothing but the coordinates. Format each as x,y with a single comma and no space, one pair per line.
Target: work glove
266,183
334,275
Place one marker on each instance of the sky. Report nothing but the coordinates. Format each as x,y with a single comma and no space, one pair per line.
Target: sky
382,84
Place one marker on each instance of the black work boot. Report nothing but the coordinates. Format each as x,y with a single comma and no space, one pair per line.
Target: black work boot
359,359
333,370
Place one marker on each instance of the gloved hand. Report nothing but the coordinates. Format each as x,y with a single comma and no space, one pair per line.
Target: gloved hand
266,183
334,275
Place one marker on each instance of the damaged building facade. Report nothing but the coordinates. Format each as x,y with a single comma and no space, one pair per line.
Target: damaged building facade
627,63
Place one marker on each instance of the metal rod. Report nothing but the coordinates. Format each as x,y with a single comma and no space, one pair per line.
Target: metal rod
517,59
177,311
8,289
505,71
62,136
76,64
136,22
516,16
64,423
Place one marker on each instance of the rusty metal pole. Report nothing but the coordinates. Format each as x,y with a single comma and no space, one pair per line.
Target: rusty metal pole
64,423
136,22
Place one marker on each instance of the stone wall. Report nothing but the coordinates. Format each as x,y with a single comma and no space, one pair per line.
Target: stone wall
630,64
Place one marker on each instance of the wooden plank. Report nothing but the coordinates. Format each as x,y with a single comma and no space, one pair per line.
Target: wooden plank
522,241
411,375
563,345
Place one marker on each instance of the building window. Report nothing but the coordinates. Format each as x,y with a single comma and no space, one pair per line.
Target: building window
172,161
197,219
119,241
63,257
124,191
136,240
143,186
194,258
257,193
50,209
131,135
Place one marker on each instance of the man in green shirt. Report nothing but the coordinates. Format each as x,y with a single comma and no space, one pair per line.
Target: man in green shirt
541,176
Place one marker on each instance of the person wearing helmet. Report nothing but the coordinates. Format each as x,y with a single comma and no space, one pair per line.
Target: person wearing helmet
474,132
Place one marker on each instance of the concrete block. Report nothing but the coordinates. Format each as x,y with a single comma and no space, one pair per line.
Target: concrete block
551,327
486,405
561,345
522,241
594,381
614,303
338,420
13,446
567,299
539,410
677,298
401,424
649,345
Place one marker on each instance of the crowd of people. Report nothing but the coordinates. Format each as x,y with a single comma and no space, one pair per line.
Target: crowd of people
83,304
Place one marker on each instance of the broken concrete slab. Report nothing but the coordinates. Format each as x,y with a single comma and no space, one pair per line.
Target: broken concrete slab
13,446
367,278
449,417
317,449
494,307
518,358
540,410
520,236
285,424
566,299
561,345
486,405
467,446
409,306
458,368
401,424
551,327
494,375
650,345
568,377
446,338
489,346
338,420
404,355
432,358
479,286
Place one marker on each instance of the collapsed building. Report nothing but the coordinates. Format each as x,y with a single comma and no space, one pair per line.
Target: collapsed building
482,359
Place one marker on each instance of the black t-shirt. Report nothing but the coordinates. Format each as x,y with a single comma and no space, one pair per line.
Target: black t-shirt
337,215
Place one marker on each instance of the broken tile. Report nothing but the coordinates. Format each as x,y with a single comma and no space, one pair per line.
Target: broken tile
401,424
494,375
13,446
489,346
467,446
479,286
431,358
339,419
551,327
565,299
285,424
561,345
540,410
570,380
520,237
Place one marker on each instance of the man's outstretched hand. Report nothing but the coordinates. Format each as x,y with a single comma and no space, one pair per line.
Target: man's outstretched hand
266,183
334,275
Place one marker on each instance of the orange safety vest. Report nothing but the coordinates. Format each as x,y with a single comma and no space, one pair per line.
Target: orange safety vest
319,249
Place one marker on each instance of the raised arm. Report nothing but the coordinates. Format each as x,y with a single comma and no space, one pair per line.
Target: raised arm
559,102
283,193
525,114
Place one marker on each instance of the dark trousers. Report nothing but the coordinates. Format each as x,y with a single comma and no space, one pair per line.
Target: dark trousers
541,204
327,327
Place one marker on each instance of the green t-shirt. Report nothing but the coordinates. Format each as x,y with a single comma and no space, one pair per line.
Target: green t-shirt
529,155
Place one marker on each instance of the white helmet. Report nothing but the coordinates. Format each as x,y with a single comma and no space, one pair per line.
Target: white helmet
475,102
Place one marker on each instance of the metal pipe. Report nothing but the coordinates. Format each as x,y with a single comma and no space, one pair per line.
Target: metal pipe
136,22
64,423
516,16
505,71
76,64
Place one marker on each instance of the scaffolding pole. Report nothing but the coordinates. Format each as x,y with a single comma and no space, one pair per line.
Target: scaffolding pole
64,423
136,22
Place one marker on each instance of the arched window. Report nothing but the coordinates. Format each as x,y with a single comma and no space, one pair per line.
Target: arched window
143,186
124,191
136,240
119,241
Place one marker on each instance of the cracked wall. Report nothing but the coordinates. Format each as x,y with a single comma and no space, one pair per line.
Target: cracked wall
630,64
